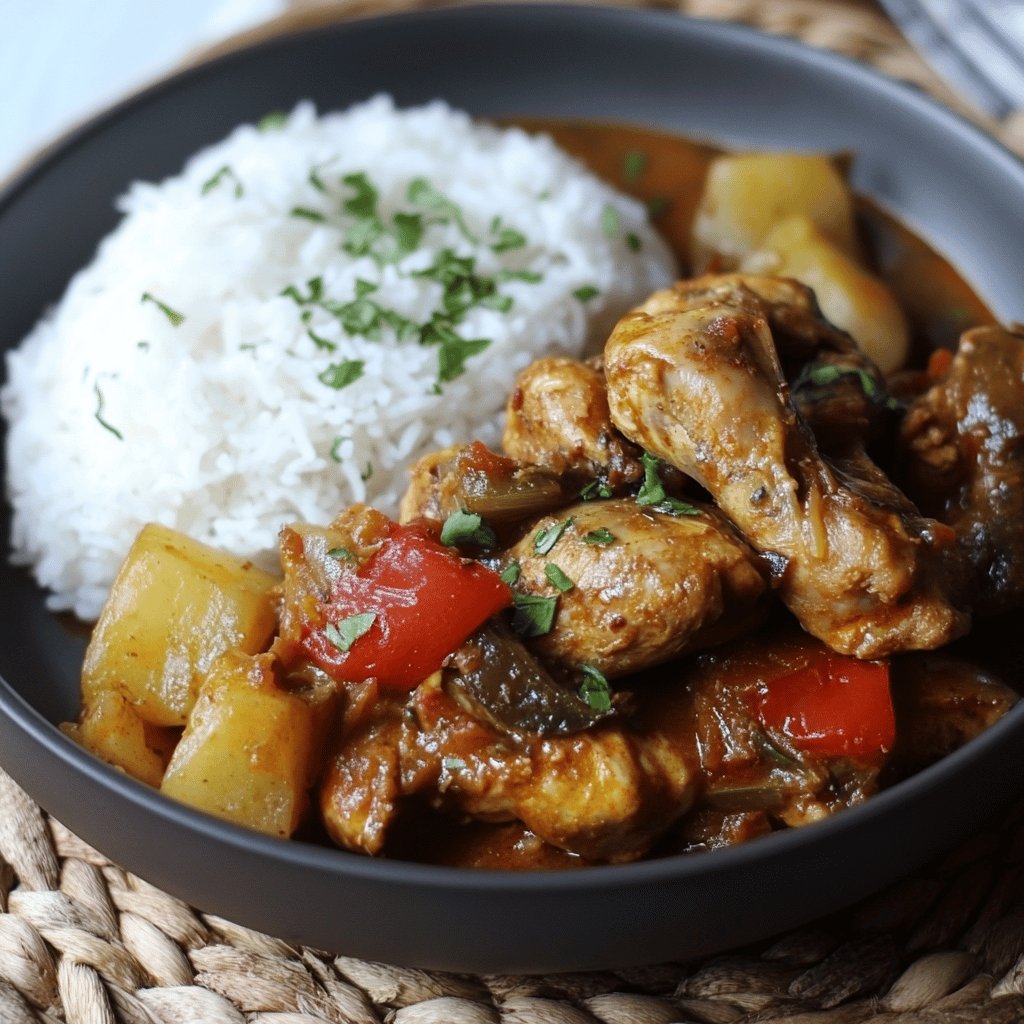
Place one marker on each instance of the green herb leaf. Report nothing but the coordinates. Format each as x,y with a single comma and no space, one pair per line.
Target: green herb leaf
464,527
812,377
316,291
342,554
305,213
610,221
634,164
367,472
423,194
176,318
533,615
336,448
506,237
98,414
595,689
346,632
599,536
595,489
634,242
652,491
273,121
340,375
557,578
511,573
586,293
220,175
452,356
547,538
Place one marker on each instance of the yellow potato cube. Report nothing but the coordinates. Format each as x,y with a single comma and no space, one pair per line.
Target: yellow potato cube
848,295
746,194
112,730
251,748
175,606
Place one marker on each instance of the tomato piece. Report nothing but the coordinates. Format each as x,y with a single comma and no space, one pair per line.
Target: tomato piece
409,606
834,707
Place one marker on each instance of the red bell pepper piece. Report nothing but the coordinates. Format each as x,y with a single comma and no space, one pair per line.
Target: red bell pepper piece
411,604
833,707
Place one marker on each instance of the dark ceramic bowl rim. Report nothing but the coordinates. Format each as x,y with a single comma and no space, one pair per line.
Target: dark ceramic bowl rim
46,741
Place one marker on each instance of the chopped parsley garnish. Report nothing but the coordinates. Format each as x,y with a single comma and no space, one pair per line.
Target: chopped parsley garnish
336,448
421,193
595,489
547,538
634,164
367,472
652,491
815,377
340,375
176,318
634,242
346,632
599,536
465,527
511,573
533,615
305,213
610,221
505,237
557,578
219,176
452,356
586,293
342,554
316,291
272,122
98,414
595,689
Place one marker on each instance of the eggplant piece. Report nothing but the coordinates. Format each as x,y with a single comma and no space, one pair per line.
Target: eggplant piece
496,679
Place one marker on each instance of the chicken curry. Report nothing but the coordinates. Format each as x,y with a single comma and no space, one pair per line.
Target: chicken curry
720,580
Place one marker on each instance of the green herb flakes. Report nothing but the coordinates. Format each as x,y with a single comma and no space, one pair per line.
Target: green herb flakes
421,193
305,213
652,491
557,578
464,527
601,536
220,176
511,573
272,122
98,414
367,472
342,554
595,689
594,490
547,538
634,242
340,375
610,224
586,293
346,632
176,318
533,615
505,237
452,356
336,446
634,164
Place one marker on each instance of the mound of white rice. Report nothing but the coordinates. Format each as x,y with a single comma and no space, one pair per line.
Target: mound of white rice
280,329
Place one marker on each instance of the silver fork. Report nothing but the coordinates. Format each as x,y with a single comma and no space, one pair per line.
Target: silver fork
977,46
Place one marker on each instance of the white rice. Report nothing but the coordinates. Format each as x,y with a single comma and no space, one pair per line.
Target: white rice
220,425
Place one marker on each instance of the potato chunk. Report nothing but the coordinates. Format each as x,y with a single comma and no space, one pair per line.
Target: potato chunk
112,730
175,606
746,194
251,749
849,296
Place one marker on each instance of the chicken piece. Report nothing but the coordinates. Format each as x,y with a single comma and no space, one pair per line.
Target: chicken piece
964,444
834,386
645,585
605,794
557,417
703,388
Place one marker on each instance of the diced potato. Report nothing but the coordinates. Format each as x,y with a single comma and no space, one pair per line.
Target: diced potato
251,749
111,729
849,296
747,194
175,606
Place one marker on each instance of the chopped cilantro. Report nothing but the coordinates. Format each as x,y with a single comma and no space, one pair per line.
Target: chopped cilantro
367,472
340,375
347,631
98,414
220,175
316,291
176,318
812,377
452,356
634,242
586,292
652,491
505,237
421,193
557,578
610,221
273,121
547,538
511,573
464,527
336,447
595,489
342,554
595,689
533,615
599,536
305,213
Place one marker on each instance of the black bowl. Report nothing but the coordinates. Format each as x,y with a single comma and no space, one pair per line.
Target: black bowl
725,83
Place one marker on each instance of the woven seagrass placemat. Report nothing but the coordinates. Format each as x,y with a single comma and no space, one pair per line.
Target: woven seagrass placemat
83,941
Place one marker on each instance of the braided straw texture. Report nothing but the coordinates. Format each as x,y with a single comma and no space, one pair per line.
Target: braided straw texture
85,942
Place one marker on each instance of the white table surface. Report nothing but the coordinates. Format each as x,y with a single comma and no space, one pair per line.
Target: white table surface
62,60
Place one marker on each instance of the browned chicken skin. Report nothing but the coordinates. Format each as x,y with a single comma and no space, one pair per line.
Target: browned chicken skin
964,443
703,388
645,586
